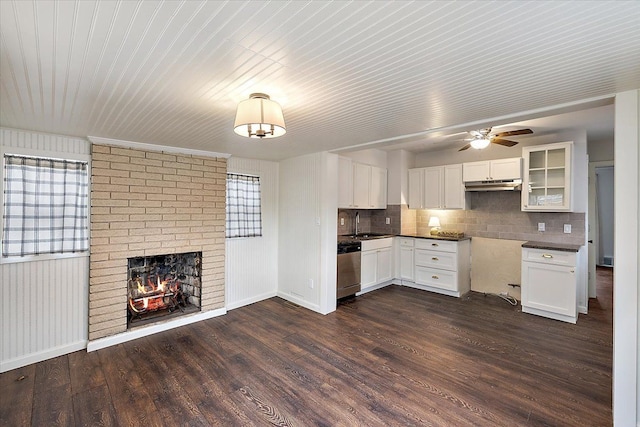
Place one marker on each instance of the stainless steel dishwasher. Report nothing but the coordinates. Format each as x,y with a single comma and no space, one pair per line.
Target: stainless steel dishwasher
348,269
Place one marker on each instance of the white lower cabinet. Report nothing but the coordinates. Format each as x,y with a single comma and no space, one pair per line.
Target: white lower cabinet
549,283
376,262
407,263
443,266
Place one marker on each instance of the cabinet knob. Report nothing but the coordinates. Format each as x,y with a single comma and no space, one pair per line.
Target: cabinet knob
434,277
548,256
435,258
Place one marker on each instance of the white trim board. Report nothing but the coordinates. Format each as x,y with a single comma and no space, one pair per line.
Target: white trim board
39,356
152,329
153,147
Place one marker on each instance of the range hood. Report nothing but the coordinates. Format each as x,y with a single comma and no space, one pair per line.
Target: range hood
495,185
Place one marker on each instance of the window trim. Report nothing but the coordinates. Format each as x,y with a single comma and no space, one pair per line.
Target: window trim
47,154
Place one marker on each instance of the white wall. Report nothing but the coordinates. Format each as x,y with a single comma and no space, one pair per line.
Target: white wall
398,164
626,380
44,302
370,156
308,231
251,265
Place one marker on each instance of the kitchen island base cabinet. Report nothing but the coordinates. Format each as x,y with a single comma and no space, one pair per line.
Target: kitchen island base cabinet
549,284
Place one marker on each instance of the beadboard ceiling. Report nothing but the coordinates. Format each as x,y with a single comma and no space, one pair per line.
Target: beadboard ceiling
346,73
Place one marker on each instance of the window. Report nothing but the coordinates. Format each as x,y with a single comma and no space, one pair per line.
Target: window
45,206
243,206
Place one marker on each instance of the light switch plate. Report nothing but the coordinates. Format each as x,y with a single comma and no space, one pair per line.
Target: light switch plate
541,226
567,228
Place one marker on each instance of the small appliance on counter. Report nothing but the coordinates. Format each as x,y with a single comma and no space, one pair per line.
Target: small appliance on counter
348,280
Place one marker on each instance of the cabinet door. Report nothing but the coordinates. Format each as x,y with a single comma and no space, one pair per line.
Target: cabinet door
475,171
384,270
506,168
378,188
433,187
345,183
547,178
368,268
406,263
416,188
551,288
453,187
361,180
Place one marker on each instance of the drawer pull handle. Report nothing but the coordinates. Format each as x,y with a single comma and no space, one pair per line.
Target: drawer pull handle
435,258
434,244
547,256
434,277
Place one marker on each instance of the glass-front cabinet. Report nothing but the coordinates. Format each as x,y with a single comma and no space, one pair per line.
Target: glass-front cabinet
546,185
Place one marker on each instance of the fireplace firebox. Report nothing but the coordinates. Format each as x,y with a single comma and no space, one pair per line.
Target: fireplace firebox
162,286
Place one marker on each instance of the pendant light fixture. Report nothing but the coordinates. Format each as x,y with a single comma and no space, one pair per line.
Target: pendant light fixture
259,117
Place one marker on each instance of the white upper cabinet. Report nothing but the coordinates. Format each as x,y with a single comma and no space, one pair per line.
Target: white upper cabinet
501,169
438,187
416,188
546,185
369,187
345,183
454,195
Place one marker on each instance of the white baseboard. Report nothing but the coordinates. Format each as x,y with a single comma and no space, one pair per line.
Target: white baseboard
153,329
375,287
254,299
299,301
28,359
583,309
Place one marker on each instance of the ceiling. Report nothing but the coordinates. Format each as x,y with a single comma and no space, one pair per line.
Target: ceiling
370,74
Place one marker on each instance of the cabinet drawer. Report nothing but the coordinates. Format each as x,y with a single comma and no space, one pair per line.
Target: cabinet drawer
442,279
436,259
406,241
437,245
549,256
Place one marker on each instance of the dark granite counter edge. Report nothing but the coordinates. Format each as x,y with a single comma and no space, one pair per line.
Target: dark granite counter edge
452,239
552,246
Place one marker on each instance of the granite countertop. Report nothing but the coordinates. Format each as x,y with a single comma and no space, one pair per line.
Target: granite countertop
429,236
552,246
362,236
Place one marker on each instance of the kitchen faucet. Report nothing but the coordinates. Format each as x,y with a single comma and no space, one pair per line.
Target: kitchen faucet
357,221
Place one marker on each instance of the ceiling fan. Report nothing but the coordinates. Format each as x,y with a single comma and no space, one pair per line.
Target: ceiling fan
483,137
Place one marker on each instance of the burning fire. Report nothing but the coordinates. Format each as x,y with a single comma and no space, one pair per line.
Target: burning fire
152,297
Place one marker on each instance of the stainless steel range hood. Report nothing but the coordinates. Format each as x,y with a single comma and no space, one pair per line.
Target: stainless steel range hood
497,185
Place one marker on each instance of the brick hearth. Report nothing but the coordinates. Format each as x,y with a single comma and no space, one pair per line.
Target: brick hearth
151,203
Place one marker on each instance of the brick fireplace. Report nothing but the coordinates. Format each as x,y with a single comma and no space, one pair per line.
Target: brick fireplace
148,203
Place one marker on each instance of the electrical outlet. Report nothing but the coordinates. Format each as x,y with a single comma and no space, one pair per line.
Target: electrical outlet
567,228
541,226
388,221
311,283
341,221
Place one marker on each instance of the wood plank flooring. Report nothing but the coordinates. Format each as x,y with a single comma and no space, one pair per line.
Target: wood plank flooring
396,356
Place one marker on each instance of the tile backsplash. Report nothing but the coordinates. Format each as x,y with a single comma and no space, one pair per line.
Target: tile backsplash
497,215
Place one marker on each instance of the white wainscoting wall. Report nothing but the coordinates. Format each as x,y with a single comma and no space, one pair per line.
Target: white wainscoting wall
252,263
44,302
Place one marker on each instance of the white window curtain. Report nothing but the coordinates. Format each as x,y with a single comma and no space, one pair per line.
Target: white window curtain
243,206
45,206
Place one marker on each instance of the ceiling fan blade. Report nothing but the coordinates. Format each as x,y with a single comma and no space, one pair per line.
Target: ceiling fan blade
466,147
504,142
514,133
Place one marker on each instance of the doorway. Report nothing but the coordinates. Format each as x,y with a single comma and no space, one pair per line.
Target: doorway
601,219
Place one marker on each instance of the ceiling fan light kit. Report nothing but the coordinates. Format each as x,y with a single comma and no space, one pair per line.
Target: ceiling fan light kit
483,137
259,117
480,143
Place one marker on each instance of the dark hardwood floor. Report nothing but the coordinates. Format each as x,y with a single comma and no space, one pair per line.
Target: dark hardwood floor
396,356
